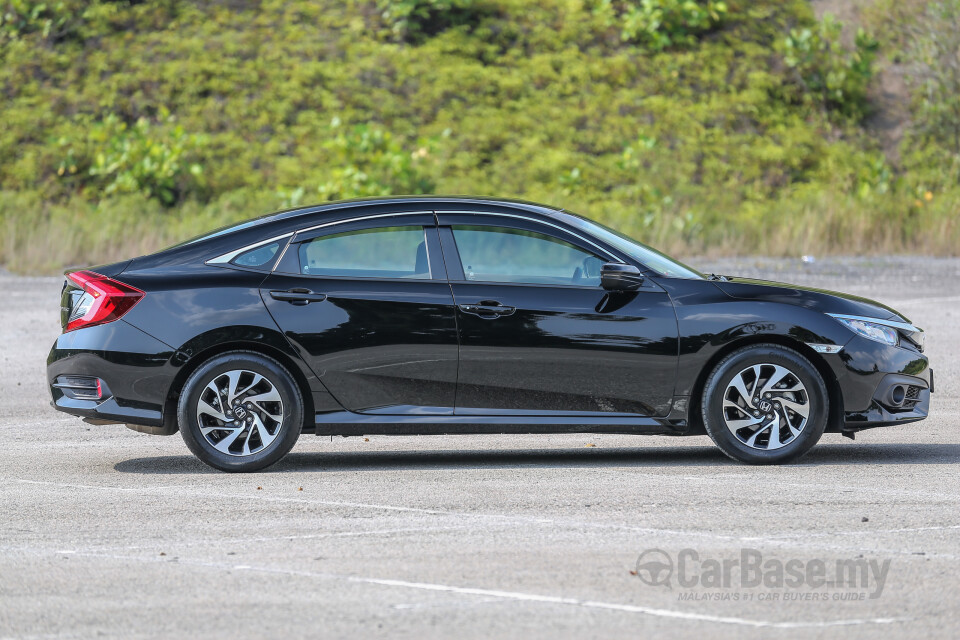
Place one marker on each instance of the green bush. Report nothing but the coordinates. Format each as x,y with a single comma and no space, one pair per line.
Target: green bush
54,21
18,18
660,24
934,49
739,135
413,20
365,160
116,158
828,72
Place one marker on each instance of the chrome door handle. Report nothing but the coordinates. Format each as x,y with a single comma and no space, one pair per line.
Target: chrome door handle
487,309
299,297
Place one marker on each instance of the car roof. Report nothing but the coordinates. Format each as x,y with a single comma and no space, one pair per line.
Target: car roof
289,217
443,201
290,220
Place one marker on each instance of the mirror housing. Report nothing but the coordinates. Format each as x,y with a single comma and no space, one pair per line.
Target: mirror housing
616,276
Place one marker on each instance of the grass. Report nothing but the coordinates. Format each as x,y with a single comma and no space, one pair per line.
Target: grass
53,237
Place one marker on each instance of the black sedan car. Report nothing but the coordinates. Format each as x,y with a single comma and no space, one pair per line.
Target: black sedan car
466,315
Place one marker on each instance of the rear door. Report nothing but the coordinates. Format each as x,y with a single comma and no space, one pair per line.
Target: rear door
367,305
540,336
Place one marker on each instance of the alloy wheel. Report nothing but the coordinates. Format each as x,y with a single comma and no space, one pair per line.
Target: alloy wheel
240,412
766,406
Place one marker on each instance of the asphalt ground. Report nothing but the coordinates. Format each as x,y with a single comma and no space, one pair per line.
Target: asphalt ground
109,533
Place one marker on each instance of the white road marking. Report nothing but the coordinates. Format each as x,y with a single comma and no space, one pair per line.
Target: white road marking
435,605
70,485
785,539
522,597
39,444
862,532
712,478
178,544
627,608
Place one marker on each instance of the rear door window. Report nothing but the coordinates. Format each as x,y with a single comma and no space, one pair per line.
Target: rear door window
381,252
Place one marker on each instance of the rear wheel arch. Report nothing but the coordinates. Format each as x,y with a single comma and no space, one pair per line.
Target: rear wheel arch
834,392
261,349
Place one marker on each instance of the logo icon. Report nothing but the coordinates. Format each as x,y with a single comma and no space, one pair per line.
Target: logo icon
240,412
654,567
765,406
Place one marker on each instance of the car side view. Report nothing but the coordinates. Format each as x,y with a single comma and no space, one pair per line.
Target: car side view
430,315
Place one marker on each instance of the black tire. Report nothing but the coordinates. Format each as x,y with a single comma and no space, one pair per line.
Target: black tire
278,436
765,358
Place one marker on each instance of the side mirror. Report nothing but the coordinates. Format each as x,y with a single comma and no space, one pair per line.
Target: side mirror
615,276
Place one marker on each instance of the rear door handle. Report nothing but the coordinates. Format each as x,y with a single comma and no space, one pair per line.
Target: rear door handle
487,309
299,297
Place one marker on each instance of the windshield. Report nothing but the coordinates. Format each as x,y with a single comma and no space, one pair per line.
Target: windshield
651,258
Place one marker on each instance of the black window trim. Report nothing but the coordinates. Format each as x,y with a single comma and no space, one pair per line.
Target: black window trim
534,221
435,274
449,244
227,259
452,268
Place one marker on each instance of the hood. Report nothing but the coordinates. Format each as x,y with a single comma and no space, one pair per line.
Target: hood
808,297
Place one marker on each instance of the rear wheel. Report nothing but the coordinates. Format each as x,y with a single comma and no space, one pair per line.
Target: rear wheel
765,404
240,411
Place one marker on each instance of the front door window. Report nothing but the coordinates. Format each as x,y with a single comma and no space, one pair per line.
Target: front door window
502,254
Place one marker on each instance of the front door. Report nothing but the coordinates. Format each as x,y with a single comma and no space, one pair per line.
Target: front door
367,305
538,334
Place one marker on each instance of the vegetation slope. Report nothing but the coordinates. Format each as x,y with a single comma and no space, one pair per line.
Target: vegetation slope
708,126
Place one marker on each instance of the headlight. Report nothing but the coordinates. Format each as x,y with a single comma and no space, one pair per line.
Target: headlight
871,330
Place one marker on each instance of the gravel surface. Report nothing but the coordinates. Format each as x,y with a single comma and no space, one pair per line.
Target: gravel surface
112,533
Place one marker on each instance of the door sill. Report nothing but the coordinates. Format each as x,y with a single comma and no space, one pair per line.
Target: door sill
347,423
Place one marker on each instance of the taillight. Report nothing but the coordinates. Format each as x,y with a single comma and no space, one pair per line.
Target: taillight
103,300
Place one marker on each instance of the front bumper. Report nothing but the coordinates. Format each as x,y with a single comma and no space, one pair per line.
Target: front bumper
868,372
136,370
879,416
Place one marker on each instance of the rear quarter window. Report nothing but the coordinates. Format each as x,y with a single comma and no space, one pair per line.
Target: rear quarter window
258,257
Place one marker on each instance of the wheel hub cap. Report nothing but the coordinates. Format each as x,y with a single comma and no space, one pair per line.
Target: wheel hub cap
766,406
240,412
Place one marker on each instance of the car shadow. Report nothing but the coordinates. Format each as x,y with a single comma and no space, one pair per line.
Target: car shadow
636,457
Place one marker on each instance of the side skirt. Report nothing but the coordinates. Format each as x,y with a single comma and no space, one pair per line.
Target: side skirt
346,423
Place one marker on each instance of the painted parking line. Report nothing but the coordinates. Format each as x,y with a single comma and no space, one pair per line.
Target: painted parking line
515,596
791,539
202,542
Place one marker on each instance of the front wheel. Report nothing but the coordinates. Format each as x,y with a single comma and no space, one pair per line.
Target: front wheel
240,411
765,404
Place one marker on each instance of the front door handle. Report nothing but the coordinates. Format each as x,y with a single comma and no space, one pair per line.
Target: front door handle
299,297
487,309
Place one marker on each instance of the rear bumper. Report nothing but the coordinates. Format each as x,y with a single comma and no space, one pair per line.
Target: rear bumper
135,368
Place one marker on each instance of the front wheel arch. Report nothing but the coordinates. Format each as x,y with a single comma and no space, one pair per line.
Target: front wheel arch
834,392
803,396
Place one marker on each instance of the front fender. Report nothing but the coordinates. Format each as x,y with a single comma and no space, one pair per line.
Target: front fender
738,323
710,322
